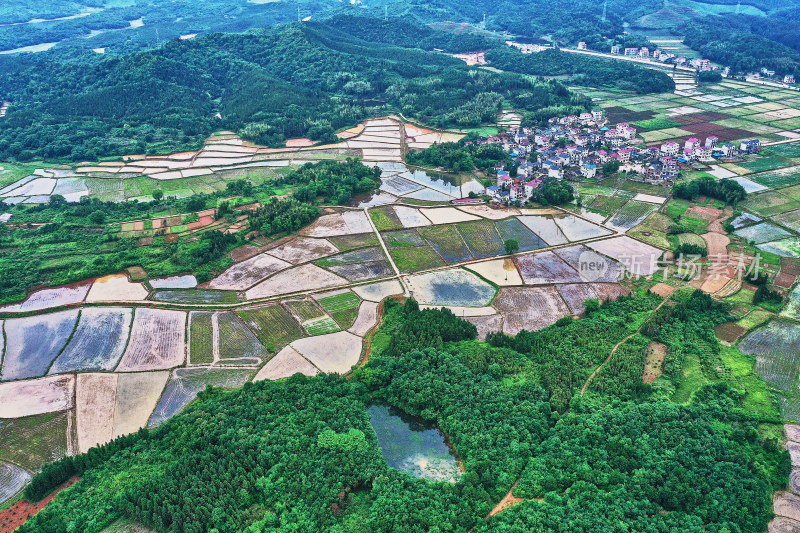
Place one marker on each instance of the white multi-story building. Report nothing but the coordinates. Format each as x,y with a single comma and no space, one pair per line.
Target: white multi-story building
670,148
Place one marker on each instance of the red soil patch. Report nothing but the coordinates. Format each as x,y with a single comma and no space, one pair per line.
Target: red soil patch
716,227
714,284
789,272
170,238
246,252
662,289
18,514
299,143
158,223
508,500
706,213
790,265
176,220
138,225
785,281
717,246
697,118
201,222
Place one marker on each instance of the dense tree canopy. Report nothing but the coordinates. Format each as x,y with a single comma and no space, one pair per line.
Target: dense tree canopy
301,454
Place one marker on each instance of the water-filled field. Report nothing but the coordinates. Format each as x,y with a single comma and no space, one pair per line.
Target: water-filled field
413,445
187,382
98,341
453,287
33,342
775,349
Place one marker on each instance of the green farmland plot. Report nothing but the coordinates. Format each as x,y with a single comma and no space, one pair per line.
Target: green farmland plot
447,241
273,325
416,258
656,124
201,337
763,164
789,150
770,203
321,326
402,238
342,307
778,178
345,243
482,238
606,205
385,219
305,310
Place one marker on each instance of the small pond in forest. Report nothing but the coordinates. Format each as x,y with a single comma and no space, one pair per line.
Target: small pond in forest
413,445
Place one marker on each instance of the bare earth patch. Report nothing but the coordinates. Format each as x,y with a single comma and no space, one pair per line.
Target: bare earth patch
502,272
575,294
447,215
717,244
530,308
116,288
158,341
303,250
137,396
487,212
366,319
729,332
332,353
706,213
286,363
654,361
95,398
486,324
36,396
662,289
302,278
376,292
244,275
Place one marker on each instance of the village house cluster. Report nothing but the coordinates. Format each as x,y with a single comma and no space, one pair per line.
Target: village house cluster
576,148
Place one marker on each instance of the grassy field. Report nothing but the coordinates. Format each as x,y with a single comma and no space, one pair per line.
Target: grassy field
321,326
385,219
201,338
695,225
656,124
482,238
343,308
32,441
11,172
692,380
606,205
273,325
346,243
446,240
415,258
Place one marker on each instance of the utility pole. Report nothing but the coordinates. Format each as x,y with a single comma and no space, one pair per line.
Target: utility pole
605,7
385,13
298,13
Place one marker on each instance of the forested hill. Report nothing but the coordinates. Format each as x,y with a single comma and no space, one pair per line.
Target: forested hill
296,80
301,455
302,79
